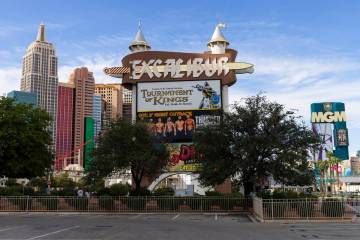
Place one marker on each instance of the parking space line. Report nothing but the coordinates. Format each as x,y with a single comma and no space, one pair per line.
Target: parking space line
136,216
175,217
216,217
95,216
55,232
10,228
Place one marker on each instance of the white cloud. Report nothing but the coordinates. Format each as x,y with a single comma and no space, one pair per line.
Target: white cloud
296,70
9,79
94,64
298,82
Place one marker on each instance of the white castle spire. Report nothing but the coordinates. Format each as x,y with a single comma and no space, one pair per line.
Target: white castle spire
218,43
139,43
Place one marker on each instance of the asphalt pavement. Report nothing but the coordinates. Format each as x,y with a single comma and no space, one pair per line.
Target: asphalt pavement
166,226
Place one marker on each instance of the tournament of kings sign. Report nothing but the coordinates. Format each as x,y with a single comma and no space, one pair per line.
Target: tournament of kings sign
181,95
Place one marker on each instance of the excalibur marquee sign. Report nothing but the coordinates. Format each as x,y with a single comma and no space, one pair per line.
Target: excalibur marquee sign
155,65
176,92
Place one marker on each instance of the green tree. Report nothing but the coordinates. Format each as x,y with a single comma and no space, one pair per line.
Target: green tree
128,146
256,140
25,141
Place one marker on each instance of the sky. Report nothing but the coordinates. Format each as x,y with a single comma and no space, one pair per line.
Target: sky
303,51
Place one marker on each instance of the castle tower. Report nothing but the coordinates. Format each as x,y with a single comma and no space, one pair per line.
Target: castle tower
139,43
218,43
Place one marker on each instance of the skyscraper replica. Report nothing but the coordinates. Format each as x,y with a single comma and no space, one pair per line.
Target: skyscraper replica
97,112
111,95
65,118
40,75
83,81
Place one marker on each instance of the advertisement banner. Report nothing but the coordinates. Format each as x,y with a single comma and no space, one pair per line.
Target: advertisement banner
182,157
179,96
324,132
178,126
329,122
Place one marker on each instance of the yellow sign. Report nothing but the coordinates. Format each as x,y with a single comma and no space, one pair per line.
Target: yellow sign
328,117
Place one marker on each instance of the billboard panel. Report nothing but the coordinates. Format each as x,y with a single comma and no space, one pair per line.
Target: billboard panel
179,96
182,157
324,132
177,126
329,119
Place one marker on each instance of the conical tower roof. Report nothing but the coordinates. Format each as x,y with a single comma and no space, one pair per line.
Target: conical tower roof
41,33
218,36
139,40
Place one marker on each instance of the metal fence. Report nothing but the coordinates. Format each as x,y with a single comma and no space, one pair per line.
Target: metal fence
306,209
123,204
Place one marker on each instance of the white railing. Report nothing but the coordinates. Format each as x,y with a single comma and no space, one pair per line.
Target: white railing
306,209
123,204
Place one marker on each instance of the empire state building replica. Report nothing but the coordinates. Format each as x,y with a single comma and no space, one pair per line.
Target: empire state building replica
40,75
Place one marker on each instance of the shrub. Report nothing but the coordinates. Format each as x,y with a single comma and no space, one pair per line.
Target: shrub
140,192
279,194
79,203
235,195
28,191
8,191
307,195
333,207
213,194
119,189
16,190
290,194
64,192
166,191
38,183
11,182
106,202
103,191
264,194
40,193
64,181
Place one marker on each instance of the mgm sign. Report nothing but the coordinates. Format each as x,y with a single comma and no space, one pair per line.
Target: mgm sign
329,123
176,92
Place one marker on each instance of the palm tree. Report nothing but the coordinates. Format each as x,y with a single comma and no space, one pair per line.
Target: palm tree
324,166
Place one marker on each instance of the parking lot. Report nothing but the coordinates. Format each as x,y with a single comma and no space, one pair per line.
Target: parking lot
165,226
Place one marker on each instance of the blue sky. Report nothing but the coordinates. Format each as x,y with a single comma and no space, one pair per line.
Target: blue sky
303,51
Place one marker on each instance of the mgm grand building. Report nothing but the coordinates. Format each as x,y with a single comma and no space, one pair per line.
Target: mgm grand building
176,93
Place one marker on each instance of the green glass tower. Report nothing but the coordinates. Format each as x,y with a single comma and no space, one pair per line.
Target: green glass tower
89,141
